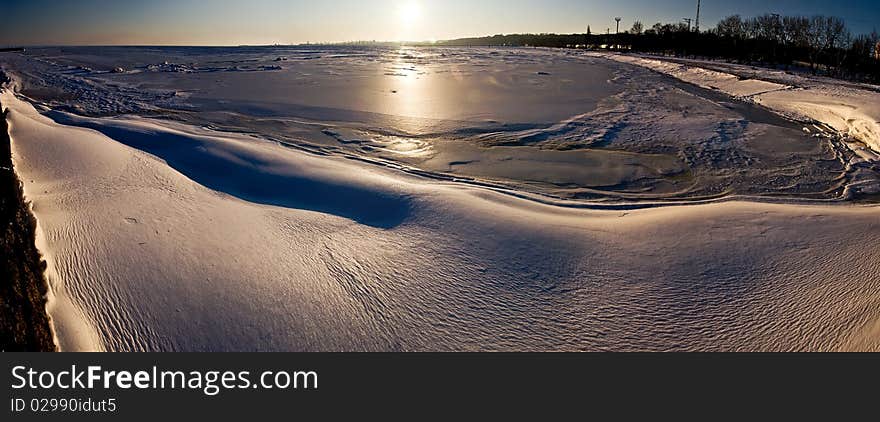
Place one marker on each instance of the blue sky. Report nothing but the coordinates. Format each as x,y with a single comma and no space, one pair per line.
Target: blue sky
229,22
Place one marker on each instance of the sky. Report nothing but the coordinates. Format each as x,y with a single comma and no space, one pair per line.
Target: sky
230,22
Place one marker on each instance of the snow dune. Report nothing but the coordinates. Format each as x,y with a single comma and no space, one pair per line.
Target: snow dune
261,247
705,78
257,174
848,109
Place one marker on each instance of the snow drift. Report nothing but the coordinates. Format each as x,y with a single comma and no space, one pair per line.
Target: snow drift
846,108
227,242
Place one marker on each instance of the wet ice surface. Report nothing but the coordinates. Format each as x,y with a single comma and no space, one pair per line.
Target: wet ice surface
554,123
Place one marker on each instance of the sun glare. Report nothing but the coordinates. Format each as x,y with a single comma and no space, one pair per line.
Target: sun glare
409,13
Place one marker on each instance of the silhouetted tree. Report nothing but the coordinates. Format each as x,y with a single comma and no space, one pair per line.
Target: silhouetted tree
823,44
637,28
730,27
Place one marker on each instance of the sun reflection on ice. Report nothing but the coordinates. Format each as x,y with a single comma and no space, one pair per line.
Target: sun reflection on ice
411,92
409,147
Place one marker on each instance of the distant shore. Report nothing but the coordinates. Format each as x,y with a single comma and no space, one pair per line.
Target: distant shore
24,322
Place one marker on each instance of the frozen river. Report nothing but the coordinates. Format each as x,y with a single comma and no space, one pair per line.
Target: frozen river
431,199
560,124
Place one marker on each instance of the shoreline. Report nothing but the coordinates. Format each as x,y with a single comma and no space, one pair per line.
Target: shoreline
25,324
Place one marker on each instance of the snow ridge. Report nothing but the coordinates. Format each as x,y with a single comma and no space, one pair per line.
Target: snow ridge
851,111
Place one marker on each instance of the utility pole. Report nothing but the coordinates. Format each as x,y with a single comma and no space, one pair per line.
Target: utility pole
688,20
697,26
617,31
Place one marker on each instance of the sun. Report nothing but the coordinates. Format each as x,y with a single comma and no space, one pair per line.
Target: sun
409,13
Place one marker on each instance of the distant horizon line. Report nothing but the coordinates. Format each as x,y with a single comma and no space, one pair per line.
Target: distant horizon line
308,43
329,43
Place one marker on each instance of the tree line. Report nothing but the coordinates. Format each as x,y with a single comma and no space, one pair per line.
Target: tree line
820,44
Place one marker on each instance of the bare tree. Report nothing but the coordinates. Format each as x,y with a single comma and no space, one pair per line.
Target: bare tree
731,26
657,28
765,27
827,35
637,27
816,39
794,30
838,39
836,33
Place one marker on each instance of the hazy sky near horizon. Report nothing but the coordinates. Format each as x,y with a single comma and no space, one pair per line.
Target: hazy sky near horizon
233,22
